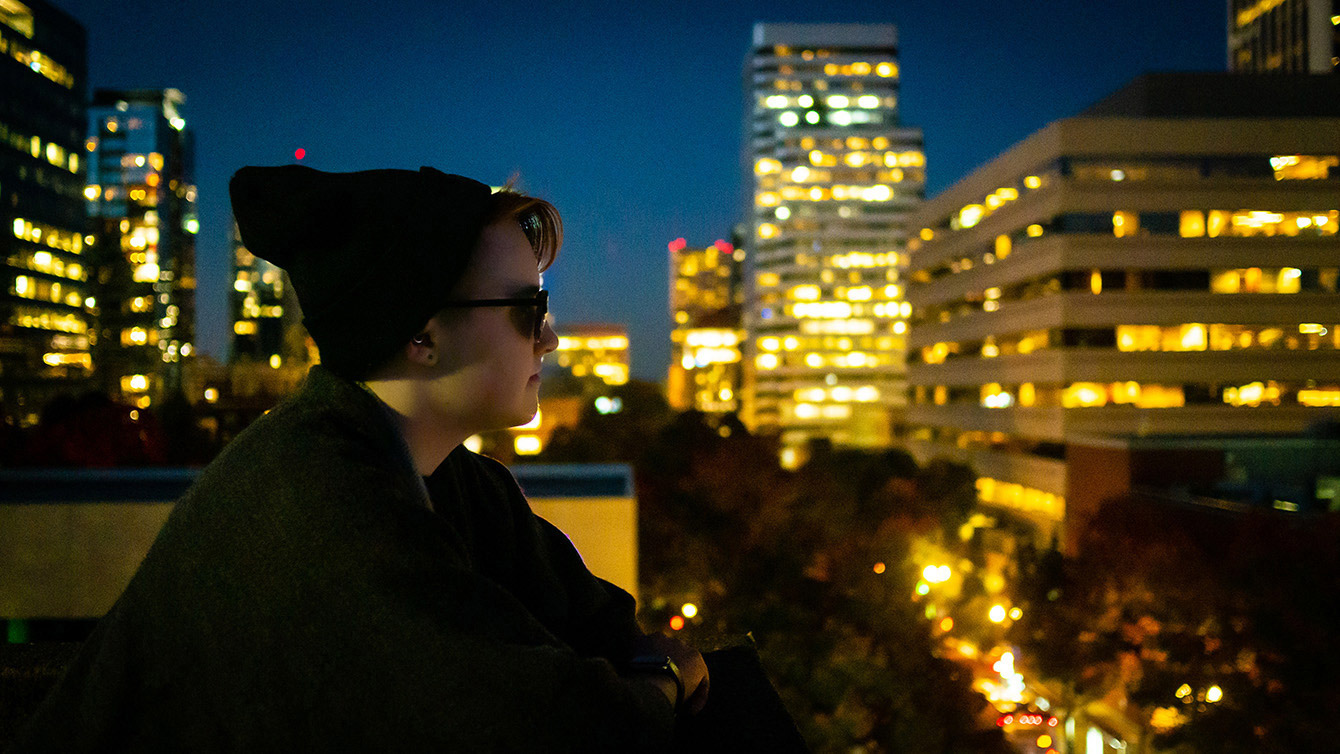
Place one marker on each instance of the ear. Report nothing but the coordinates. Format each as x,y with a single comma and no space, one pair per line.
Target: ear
422,348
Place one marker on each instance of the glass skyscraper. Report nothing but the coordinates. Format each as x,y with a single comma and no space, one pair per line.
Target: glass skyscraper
44,271
141,200
833,175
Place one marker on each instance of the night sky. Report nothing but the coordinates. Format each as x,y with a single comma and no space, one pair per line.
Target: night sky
625,115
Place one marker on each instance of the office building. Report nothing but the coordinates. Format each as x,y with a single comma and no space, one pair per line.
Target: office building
1283,36
1133,297
706,303
832,175
593,354
141,200
45,323
267,321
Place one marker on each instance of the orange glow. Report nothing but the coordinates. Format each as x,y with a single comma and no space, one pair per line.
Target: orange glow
677,622
879,568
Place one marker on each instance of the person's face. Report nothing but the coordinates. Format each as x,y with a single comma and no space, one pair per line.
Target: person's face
489,371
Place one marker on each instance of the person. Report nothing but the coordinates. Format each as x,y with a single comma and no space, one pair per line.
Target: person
346,575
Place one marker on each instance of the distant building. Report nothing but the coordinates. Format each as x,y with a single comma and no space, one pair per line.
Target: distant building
141,199
706,301
1283,36
832,177
593,354
1108,303
267,321
45,323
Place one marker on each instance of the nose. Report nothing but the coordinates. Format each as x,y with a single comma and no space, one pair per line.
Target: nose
548,342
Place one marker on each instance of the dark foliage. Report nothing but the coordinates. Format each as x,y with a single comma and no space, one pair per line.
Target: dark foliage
1165,602
789,557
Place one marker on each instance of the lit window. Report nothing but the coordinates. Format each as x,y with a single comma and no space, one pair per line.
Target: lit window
788,119
1293,167
1027,394
1084,394
1191,338
1191,224
1125,224
970,215
1252,394
526,445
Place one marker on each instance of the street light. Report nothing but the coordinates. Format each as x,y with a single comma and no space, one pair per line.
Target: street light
997,614
936,574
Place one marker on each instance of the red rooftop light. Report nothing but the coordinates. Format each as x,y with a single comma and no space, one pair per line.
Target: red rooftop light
724,246
300,153
677,244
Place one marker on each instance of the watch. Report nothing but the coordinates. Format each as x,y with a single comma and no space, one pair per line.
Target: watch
660,665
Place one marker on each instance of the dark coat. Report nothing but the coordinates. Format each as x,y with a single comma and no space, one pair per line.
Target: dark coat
304,595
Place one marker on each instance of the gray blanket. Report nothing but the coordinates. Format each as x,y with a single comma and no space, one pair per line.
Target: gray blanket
306,595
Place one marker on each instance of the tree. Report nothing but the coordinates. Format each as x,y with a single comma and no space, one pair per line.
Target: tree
1217,626
793,558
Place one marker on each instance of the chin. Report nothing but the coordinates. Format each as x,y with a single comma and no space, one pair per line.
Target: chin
524,418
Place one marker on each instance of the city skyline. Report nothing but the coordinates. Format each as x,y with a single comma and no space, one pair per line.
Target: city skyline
638,144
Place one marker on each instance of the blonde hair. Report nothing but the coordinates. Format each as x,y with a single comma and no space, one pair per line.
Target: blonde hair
538,219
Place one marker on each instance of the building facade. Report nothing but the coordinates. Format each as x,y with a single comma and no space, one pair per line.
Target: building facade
45,322
1283,36
267,321
141,200
592,353
706,302
1108,302
832,176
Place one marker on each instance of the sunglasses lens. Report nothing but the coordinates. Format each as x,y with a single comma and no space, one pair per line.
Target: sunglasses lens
528,319
541,312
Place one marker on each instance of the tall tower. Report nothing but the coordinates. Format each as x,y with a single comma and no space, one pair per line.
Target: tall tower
142,204
833,177
44,322
706,296
1283,36
267,322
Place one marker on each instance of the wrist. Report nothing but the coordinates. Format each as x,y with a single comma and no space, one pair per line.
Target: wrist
662,671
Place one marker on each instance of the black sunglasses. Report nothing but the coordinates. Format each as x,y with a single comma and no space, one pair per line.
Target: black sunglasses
528,314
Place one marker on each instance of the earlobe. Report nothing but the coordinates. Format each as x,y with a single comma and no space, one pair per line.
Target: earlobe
422,349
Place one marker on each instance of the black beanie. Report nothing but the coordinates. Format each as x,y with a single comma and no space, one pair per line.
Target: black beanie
372,255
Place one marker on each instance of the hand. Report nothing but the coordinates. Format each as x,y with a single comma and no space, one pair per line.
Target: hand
692,668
